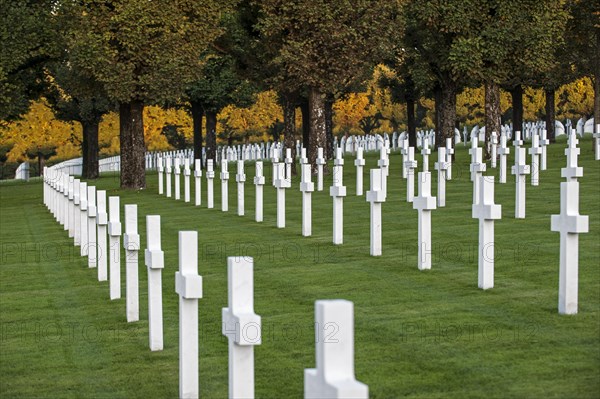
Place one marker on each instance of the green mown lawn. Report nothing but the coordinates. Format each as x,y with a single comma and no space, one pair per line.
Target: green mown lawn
418,334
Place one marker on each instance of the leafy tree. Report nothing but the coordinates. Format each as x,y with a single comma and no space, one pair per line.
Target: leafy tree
142,52
28,37
324,47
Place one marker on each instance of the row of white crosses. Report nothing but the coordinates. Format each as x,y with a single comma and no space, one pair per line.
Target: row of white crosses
333,376
83,212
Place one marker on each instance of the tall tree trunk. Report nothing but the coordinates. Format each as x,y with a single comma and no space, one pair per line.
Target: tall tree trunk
197,116
517,105
289,126
318,135
439,110
133,148
411,122
596,80
330,151
89,150
448,116
305,122
492,114
211,135
550,114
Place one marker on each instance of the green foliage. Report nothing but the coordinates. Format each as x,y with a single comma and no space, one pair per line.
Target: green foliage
142,50
28,39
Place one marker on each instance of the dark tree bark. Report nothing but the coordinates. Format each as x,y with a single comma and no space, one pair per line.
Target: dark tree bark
516,94
133,148
550,114
89,150
411,122
318,135
330,151
492,114
448,113
438,99
211,135
197,116
305,122
289,126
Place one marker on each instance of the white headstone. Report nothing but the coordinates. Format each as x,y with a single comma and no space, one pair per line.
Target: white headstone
442,167
188,284
486,211
224,185
131,243
359,162
449,153
155,262
544,142
91,214
83,217
425,151
210,176
535,151
259,182
320,162
186,180
477,169
240,178
493,148
411,166
198,181
596,136
160,175
338,191
177,178
114,232
376,197
241,325
281,183
102,220
404,152
424,203
334,375
168,175
77,212
71,207
306,187
503,152
520,170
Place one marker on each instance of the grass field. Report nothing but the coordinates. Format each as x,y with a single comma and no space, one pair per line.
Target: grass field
417,334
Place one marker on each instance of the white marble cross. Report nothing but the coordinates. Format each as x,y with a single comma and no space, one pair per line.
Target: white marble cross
91,214
359,162
424,203
320,162
477,168
71,207
449,153
520,170
442,167
177,178
281,184
114,231
160,175
188,284
493,149
259,182
544,142
303,158
535,151
186,180
572,171
425,151
224,185
155,262
131,243
168,175
288,165
83,218
240,178
384,164
411,166
66,210
376,197
197,182
597,142
517,142
486,211
241,325
404,152
338,191
102,220
77,212
210,176
503,152
334,375
570,224
306,187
